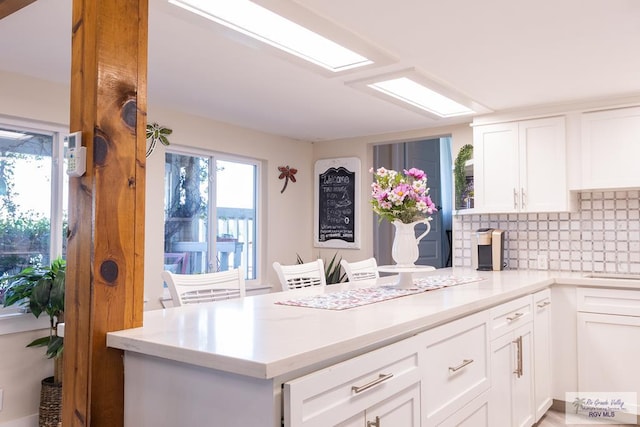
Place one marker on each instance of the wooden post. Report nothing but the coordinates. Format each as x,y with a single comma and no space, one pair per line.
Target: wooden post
104,285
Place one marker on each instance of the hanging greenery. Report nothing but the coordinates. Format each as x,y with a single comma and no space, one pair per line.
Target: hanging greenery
156,133
465,154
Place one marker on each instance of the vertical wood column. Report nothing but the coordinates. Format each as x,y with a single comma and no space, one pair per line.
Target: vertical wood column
104,285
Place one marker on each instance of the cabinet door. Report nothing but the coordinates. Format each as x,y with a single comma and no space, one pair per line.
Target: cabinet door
542,351
402,409
495,152
611,148
608,349
511,401
543,167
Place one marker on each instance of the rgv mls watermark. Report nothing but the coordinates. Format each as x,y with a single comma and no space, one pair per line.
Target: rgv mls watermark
601,407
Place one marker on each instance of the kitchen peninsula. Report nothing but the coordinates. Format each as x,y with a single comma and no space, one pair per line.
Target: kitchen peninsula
246,361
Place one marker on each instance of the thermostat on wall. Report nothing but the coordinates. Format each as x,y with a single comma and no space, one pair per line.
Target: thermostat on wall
76,154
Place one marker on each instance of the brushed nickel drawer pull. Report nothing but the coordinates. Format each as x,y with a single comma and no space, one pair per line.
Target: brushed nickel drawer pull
464,363
383,377
519,364
375,423
544,304
515,317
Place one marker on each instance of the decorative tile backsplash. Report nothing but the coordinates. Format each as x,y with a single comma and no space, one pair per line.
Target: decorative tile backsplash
603,236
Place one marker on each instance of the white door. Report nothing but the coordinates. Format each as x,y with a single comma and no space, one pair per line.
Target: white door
403,409
523,409
542,351
495,153
543,170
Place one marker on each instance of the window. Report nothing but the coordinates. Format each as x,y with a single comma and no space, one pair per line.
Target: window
210,213
32,196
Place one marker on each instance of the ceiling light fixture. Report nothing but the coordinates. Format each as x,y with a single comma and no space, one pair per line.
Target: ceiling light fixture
407,90
271,28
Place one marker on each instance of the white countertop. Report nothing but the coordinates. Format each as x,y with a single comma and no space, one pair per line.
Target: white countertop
256,337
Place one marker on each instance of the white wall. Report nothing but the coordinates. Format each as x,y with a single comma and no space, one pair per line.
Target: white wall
286,218
363,148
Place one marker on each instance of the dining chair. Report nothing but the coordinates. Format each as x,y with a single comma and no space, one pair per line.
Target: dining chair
197,288
360,270
299,276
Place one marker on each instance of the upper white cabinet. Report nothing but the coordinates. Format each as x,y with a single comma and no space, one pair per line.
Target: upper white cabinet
610,145
521,166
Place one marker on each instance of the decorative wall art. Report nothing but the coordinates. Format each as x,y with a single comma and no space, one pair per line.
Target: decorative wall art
337,203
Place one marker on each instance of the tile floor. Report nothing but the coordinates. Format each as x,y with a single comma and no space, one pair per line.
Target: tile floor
556,419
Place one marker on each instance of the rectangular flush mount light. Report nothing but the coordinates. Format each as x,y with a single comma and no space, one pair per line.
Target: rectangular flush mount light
268,27
407,90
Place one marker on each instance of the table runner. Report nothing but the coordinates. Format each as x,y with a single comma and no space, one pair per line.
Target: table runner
351,298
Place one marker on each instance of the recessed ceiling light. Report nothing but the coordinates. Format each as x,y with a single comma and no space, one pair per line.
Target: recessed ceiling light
407,90
271,28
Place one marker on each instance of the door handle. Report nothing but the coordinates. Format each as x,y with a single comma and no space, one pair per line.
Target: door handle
381,378
464,363
518,343
375,423
516,316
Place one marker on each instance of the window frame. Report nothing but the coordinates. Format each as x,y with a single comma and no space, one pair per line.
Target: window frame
211,207
13,319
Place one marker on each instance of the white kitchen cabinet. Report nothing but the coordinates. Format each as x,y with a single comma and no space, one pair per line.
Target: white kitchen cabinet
456,368
609,341
511,401
542,352
610,147
521,166
474,414
382,384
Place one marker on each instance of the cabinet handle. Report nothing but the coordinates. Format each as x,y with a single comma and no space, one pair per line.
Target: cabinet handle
518,343
375,423
515,198
523,198
464,363
544,304
383,377
516,316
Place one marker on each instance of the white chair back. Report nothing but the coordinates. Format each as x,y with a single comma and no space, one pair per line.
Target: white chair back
301,275
361,270
207,287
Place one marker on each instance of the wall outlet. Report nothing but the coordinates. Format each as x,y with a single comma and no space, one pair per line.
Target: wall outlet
543,262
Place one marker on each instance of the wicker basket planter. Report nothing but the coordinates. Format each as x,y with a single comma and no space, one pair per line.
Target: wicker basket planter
50,413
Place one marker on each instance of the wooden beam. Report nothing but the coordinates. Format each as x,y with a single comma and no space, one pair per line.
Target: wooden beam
7,7
105,251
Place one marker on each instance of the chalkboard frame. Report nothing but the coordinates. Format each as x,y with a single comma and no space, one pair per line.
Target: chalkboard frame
352,165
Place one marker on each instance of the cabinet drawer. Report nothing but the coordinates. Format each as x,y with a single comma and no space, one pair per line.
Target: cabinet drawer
508,316
337,393
609,301
456,366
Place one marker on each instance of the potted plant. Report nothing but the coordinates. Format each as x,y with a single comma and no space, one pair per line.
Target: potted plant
332,270
40,290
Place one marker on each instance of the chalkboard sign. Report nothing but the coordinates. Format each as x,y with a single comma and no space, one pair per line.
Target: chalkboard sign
337,203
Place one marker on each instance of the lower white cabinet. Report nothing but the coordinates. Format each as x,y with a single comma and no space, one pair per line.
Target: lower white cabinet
476,371
542,352
512,380
402,409
456,368
382,384
609,341
474,414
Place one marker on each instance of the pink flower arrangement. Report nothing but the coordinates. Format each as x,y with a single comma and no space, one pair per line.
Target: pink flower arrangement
401,196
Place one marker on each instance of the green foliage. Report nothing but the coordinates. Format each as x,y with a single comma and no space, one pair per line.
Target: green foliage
466,153
41,290
332,270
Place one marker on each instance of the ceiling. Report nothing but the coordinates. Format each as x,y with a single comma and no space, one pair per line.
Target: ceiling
504,54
